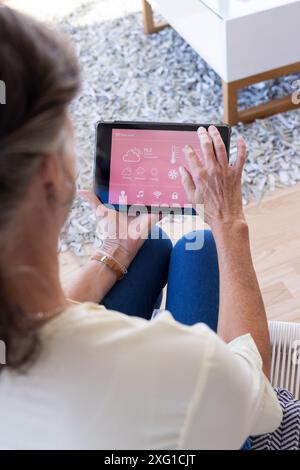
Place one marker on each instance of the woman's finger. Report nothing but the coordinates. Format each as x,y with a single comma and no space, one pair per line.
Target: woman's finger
241,154
206,147
219,146
193,160
187,182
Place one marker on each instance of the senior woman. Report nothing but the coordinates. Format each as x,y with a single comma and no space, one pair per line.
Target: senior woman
82,375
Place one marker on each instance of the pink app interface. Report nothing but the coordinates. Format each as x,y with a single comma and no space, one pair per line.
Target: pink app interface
145,166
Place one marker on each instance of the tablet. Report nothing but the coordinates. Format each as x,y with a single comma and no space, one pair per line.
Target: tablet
137,164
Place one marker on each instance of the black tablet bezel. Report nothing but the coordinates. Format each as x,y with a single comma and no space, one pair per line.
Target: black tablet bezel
103,152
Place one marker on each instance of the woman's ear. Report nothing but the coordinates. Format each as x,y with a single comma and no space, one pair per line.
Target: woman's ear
50,177
57,181
58,171
48,170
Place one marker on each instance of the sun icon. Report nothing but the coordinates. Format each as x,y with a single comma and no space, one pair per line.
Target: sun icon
173,174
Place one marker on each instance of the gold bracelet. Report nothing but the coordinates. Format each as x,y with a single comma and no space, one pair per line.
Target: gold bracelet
111,246
117,251
110,261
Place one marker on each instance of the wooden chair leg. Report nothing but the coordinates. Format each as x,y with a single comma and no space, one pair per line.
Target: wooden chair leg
148,17
149,26
230,103
279,105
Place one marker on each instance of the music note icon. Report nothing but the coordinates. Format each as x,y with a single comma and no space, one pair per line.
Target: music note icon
140,194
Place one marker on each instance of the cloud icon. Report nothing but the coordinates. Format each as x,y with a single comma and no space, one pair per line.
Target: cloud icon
133,155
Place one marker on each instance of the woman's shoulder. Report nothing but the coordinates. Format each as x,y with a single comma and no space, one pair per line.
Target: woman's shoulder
78,315
83,315
92,324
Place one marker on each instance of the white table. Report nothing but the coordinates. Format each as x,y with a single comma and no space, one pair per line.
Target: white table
244,41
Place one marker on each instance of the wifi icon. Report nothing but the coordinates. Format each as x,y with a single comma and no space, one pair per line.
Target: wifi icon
157,194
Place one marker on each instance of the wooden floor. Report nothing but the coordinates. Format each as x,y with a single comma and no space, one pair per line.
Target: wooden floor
275,241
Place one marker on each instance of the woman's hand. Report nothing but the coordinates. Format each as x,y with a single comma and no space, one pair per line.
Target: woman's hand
211,181
119,228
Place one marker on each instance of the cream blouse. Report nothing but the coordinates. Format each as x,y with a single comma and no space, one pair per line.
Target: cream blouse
105,380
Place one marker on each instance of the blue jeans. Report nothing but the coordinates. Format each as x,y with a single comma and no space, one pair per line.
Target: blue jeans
192,277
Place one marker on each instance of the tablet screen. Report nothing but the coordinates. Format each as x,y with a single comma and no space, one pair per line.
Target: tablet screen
144,166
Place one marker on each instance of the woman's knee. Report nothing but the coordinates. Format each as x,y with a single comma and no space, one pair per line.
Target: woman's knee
198,240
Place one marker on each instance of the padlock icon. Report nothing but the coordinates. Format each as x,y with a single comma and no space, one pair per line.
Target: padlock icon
174,196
